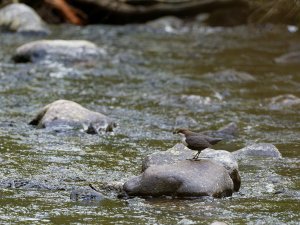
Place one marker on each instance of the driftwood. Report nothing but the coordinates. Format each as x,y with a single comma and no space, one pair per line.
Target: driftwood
130,11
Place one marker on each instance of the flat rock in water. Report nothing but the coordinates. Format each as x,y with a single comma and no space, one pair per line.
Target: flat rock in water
19,17
58,50
258,150
64,114
181,153
188,178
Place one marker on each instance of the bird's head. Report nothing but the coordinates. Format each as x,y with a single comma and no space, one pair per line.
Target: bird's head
181,131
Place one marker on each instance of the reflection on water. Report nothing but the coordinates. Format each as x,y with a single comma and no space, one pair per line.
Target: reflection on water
151,80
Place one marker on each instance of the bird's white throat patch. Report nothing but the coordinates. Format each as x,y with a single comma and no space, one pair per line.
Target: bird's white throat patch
183,139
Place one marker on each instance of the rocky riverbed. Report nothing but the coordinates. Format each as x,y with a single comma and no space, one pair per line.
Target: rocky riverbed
141,82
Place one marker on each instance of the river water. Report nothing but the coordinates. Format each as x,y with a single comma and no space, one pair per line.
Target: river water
155,77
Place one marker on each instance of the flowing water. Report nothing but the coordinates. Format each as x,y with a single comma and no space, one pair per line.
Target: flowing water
154,78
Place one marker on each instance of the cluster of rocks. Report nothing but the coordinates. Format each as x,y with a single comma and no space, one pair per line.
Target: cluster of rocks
167,173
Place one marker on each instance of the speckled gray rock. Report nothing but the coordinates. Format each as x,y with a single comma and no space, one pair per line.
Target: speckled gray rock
188,178
258,150
85,194
21,18
180,153
64,114
58,50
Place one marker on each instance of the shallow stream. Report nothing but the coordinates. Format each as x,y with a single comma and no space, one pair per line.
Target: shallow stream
155,77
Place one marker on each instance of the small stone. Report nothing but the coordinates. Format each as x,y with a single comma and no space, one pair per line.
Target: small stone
58,50
19,17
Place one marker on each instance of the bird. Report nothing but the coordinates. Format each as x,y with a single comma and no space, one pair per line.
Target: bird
196,141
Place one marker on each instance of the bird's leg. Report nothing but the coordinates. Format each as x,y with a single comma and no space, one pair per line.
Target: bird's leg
197,155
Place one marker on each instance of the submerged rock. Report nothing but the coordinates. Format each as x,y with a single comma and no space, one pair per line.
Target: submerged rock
169,24
180,153
284,101
228,131
188,178
58,50
64,114
21,18
289,58
230,76
85,194
259,150
29,185
184,121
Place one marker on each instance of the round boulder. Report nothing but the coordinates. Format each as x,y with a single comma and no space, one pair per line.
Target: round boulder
180,153
258,150
58,50
21,18
64,114
188,178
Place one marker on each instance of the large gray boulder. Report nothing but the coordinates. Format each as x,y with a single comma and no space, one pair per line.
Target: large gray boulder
181,153
258,150
64,114
21,18
58,50
188,178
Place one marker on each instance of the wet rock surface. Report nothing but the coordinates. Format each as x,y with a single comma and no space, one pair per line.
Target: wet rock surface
21,18
258,150
186,178
64,115
58,50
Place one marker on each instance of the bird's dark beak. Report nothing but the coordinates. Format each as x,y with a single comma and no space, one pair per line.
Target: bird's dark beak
174,132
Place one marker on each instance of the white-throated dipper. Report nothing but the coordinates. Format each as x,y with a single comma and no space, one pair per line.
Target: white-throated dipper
196,141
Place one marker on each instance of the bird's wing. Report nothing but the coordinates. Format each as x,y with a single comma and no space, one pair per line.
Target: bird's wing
212,141
197,143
